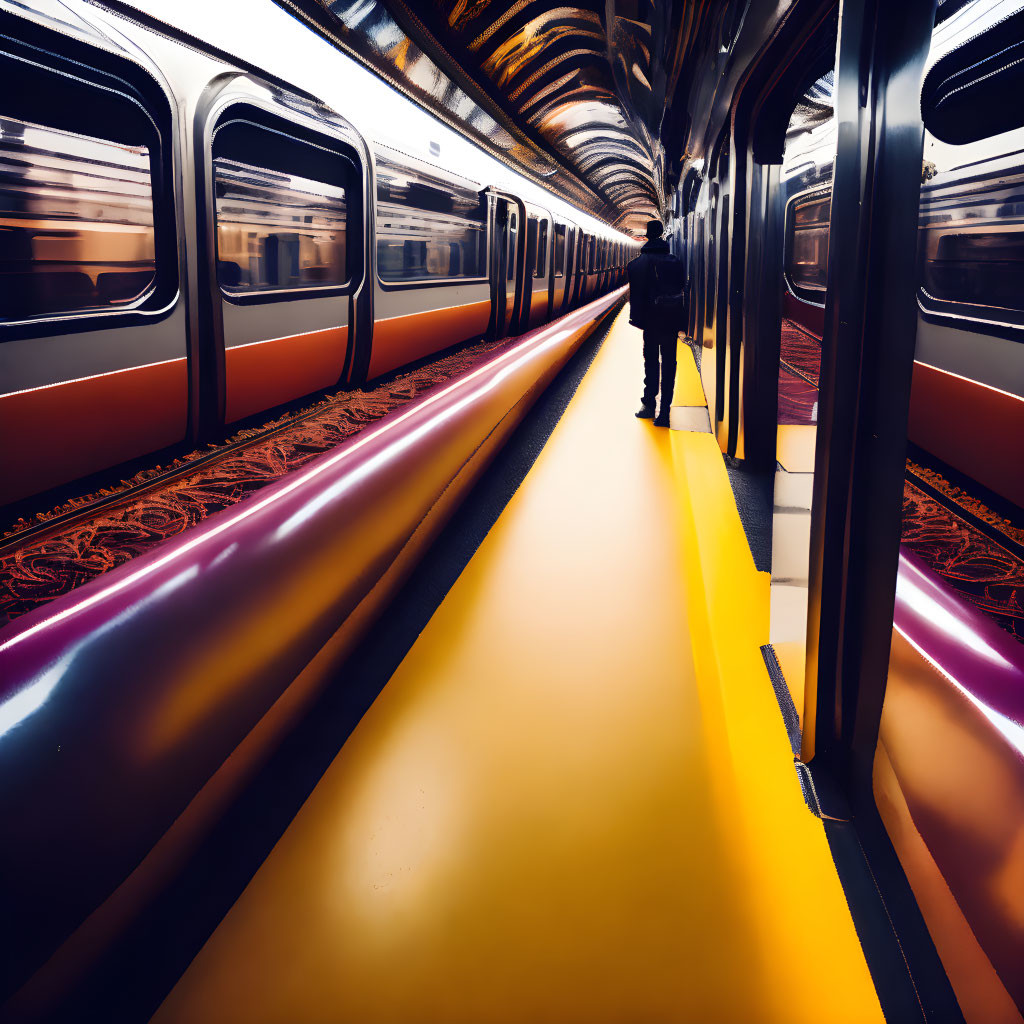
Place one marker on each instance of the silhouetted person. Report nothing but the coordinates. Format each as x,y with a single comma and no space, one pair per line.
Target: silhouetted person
657,307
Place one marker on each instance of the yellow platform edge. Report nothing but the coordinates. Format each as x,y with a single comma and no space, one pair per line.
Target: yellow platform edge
728,602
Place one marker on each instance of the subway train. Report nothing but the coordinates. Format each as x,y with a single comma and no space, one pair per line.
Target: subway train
186,242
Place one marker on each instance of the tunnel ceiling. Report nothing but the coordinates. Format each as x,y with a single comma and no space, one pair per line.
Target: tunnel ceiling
582,97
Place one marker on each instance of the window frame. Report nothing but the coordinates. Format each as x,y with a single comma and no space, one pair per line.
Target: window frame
512,241
351,186
559,264
965,315
798,291
88,70
273,122
540,252
417,166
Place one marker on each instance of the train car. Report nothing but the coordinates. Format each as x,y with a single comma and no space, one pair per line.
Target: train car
207,239
539,231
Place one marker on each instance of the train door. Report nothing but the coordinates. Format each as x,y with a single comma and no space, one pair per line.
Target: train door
570,268
559,277
505,280
586,258
280,195
94,365
720,416
537,308
514,261
802,197
698,280
579,241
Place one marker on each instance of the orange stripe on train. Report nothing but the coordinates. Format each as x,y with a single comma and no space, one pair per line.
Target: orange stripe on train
59,433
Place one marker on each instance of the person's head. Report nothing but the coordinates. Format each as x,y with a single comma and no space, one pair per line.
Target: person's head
654,229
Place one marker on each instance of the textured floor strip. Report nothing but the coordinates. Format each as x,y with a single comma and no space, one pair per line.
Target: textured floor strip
801,350
999,526
981,571
799,370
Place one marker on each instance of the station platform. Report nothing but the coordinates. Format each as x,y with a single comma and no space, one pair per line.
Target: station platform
576,799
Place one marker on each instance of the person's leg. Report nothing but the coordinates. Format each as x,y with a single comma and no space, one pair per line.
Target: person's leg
667,346
650,375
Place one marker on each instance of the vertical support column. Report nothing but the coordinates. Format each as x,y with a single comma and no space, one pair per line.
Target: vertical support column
757,396
739,193
867,362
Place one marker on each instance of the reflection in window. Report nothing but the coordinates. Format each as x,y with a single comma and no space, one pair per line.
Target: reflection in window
540,268
513,241
428,228
277,231
807,245
76,222
559,255
972,235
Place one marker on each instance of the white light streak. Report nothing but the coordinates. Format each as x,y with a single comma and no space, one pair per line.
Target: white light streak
928,608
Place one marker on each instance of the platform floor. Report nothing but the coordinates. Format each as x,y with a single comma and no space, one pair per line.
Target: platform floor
575,800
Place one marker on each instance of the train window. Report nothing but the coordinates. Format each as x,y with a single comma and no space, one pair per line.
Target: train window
807,220
540,267
76,222
971,218
429,228
277,231
531,246
87,223
560,249
513,240
281,205
974,262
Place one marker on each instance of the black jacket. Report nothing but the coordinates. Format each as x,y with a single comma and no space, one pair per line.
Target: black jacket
643,286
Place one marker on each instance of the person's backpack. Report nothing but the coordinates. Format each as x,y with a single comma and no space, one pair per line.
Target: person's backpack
668,311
